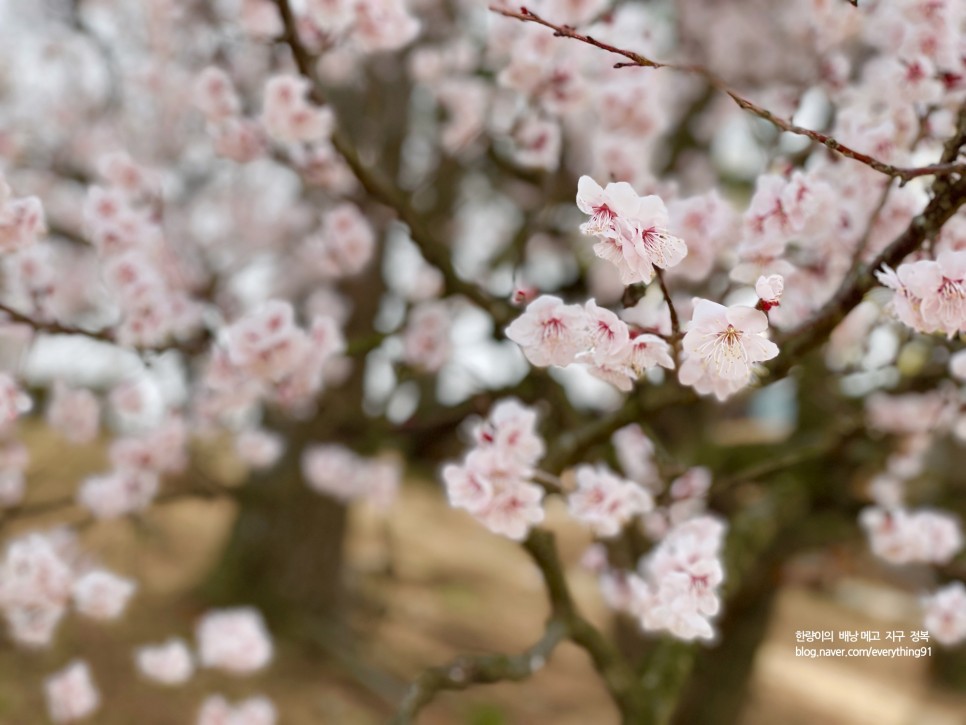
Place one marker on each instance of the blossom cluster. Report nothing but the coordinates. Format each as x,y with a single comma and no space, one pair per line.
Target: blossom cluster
494,480
606,502
900,536
676,587
139,461
930,295
632,230
553,333
266,354
336,471
21,220
945,614
41,576
149,285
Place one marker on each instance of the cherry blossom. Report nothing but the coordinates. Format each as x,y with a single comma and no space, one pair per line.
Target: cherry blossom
99,594
216,710
169,663
550,332
71,693
288,117
426,339
493,481
769,290
945,615
725,342
74,413
234,640
633,230
259,448
604,501
678,587
930,295
21,220
345,476
900,536
35,588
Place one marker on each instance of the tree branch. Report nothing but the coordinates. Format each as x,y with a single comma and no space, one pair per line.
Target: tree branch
466,671
384,191
944,168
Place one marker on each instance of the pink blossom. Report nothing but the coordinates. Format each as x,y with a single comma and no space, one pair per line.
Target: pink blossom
259,448
215,95
426,337
13,401
21,220
769,290
514,510
511,428
261,19
908,413
169,663
945,614
343,246
550,332
684,574
901,537
646,351
99,594
633,231
234,640
267,343
74,413
383,25
118,493
14,459
216,710
338,472
606,502
162,449
239,139
635,453
492,483
728,340
930,296
35,587
71,693
288,117
694,483
537,143
710,224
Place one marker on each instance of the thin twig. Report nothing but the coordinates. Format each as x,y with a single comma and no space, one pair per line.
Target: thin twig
675,322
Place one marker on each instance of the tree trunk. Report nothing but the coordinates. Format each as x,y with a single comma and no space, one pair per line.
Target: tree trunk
285,554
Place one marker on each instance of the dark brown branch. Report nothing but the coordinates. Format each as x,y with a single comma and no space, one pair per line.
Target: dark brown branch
618,676
675,322
50,327
466,671
435,251
945,168
925,226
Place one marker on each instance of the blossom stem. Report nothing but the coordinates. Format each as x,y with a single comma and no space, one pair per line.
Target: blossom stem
675,321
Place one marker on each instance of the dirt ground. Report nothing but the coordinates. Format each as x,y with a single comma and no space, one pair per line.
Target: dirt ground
454,589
